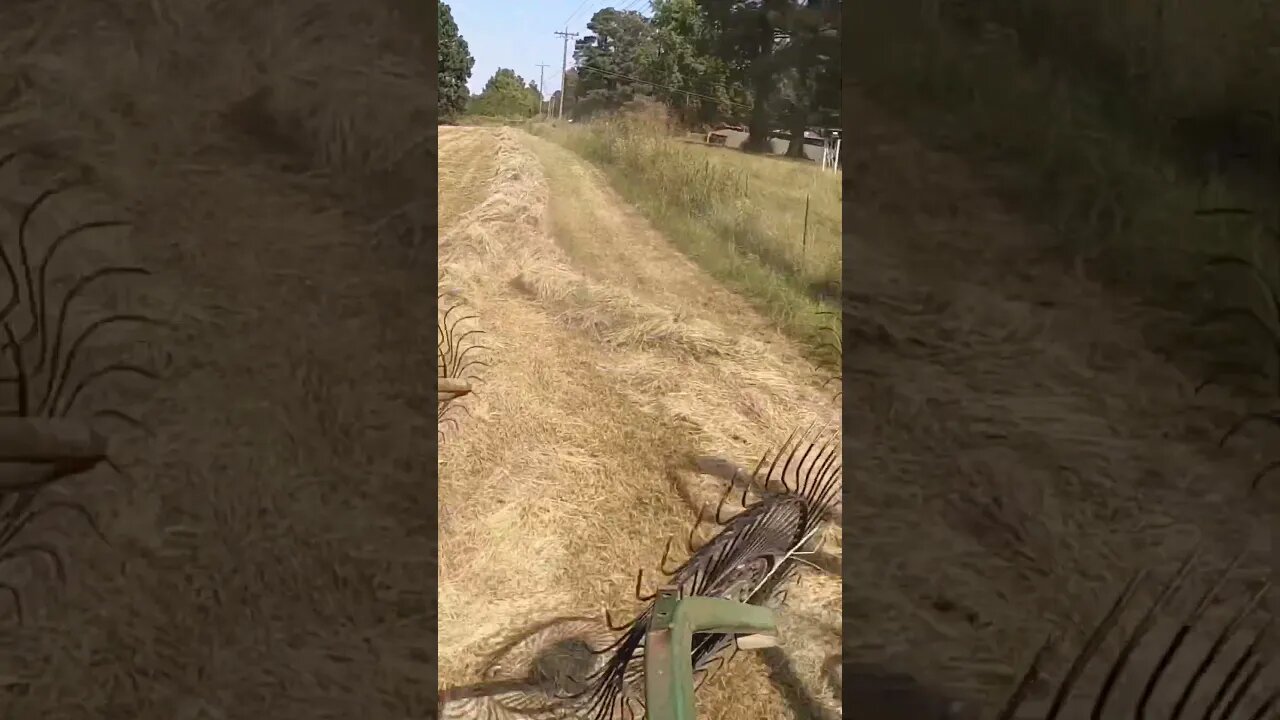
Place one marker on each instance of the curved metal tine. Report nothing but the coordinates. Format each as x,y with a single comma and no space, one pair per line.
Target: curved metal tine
773,464
639,582
1262,474
42,276
608,621
1241,692
59,568
16,526
720,505
57,379
112,369
791,448
123,417
1249,656
1028,680
24,254
64,307
1175,643
1226,634
693,530
16,597
1267,710
666,554
1245,421
1139,632
20,372
1091,647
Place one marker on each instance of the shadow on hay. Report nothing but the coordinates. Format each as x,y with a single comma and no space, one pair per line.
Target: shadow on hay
549,666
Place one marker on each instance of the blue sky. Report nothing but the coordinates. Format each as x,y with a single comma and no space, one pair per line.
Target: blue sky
518,34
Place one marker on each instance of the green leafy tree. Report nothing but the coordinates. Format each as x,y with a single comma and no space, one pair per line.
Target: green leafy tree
611,60
695,81
455,67
506,95
762,42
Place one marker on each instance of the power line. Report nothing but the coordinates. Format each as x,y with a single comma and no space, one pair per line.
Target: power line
690,93
575,12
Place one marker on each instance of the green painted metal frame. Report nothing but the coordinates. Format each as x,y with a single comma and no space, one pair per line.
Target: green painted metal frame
668,665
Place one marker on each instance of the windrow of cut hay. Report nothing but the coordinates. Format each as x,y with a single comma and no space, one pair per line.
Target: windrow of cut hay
507,226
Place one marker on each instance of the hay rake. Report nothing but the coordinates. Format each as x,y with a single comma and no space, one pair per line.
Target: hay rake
455,363
720,599
40,443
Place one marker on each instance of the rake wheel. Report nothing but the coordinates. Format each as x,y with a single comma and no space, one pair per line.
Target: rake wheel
1236,695
40,442
752,559
455,363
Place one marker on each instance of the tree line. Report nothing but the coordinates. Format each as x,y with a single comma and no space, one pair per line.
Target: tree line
768,64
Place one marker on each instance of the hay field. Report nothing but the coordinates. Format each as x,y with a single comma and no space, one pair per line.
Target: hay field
615,363
271,543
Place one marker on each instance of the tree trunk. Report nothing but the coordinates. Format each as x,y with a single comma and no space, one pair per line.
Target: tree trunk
762,87
803,99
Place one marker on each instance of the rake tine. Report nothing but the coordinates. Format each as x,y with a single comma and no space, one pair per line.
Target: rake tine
1262,474
123,417
24,258
639,582
1180,636
20,373
1140,631
1027,681
112,369
1241,692
38,548
693,529
1268,707
47,261
1271,417
666,554
64,307
720,506
1091,647
1246,658
1216,648
58,379
17,601
608,621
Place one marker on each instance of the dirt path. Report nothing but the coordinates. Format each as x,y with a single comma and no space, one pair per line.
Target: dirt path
1021,450
613,362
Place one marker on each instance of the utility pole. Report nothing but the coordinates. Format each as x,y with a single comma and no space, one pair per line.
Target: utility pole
564,69
542,67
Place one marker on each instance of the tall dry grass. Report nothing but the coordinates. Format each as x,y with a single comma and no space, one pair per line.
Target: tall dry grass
337,93
1115,195
767,227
